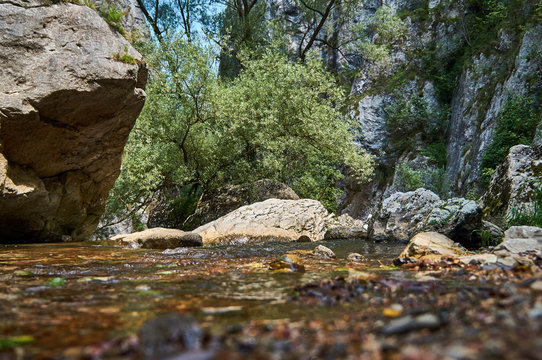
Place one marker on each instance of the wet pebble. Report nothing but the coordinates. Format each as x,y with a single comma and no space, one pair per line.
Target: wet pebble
287,262
410,323
169,334
324,252
355,257
537,285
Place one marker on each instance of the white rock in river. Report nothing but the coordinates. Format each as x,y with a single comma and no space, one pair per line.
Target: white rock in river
272,219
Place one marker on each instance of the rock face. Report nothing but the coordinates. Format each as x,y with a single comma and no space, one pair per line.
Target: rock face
474,91
66,109
272,219
473,119
218,202
404,214
159,238
514,183
431,244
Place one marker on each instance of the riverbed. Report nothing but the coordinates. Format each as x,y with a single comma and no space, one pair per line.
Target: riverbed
90,300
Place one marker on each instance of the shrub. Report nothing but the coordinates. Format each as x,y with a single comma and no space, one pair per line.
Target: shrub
113,16
407,116
125,57
516,125
531,216
429,178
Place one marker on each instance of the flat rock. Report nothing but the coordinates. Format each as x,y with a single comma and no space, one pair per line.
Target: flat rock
520,239
159,238
269,220
432,244
479,258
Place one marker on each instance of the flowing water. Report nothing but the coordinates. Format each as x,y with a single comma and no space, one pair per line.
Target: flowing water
80,300
73,295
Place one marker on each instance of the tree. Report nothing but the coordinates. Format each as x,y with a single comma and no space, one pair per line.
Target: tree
278,120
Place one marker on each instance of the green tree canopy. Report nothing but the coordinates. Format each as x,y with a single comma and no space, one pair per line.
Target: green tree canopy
279,119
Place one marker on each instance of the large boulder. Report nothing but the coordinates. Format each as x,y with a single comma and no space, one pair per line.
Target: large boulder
457,218
66,109
216,203
402,215
514,183
272,219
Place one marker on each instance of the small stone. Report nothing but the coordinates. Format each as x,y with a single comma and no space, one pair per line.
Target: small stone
355,257
410,323
537,285
169,334
66,238
287,263
324,252
404,260
508,261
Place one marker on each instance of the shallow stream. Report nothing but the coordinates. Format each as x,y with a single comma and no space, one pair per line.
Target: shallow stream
64,300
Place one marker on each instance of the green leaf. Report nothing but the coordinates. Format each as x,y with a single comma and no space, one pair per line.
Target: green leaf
57,281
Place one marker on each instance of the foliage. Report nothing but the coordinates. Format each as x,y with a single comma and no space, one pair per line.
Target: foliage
487,239
278,120
430,178
408,115
516,125
530,216
124,57
382,31
112,15
15,341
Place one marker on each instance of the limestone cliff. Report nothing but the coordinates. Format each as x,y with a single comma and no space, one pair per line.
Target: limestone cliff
71,88
463,71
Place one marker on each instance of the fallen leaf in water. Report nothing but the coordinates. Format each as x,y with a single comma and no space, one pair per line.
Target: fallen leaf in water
58,281
94,278
391,312
15,341
360,275
22,273
149,293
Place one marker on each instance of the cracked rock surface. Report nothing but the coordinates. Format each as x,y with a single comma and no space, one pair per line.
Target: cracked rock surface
272,219
66,109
